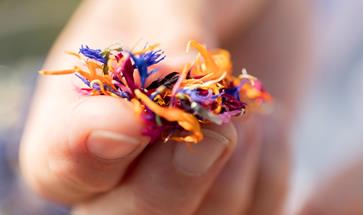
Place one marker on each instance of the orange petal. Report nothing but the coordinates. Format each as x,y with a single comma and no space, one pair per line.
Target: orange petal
74,54
185,120
216,62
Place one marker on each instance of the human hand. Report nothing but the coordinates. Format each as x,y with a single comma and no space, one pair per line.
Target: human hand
97,160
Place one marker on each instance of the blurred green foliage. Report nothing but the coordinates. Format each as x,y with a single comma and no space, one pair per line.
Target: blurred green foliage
28,27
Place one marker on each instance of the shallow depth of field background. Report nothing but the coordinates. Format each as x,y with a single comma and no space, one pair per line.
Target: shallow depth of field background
329,129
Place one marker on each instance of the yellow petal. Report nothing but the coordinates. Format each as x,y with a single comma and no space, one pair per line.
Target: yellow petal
56,72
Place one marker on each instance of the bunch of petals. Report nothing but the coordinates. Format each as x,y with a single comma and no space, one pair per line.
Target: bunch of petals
173,105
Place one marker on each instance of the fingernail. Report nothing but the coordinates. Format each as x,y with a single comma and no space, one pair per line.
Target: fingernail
111,145
201,157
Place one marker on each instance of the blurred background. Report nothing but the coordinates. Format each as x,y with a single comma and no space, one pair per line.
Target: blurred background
328,134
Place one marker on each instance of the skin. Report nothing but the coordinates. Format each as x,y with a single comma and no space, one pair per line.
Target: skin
249,177
340,193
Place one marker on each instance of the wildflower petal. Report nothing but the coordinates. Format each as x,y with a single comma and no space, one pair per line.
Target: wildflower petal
184,119
95,54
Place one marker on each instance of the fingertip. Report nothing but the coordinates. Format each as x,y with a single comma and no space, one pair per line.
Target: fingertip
84,151
227,130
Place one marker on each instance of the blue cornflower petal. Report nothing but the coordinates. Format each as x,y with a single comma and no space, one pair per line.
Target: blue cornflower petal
95,54
141,65
153,57
143,61
233,91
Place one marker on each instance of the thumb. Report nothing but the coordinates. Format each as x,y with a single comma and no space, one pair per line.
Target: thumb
83,151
